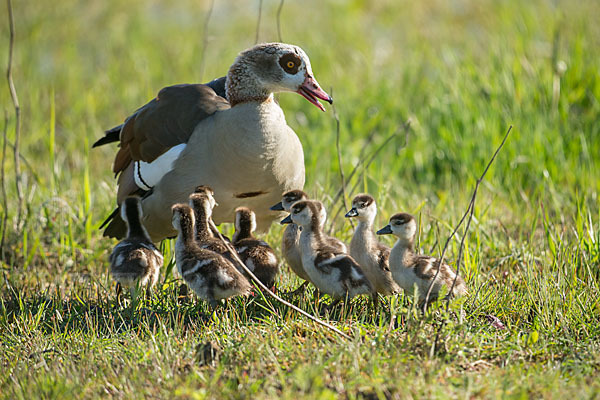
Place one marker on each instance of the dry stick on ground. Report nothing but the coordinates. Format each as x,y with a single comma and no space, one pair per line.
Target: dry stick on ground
15,99
469,213
339,156
258,21
279,20
4,197
205,39
273,295
371,158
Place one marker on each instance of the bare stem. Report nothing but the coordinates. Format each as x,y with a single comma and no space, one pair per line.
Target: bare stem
4,197
15,99
366,160
339,156
468,213
258,21
270,293
205,39
279,20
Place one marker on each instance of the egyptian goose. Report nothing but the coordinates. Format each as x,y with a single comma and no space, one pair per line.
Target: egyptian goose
372,256
256,254
290,246
135,261
236,141
413,271
332,271
211,276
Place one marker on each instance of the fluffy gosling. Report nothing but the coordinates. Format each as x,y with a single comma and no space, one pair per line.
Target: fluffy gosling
332,271
372,255
413,271
135,261
211,276
256,254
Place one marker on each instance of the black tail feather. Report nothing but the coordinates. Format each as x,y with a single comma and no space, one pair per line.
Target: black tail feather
110,136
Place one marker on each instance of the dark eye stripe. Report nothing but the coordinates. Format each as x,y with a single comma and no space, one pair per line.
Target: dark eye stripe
286,62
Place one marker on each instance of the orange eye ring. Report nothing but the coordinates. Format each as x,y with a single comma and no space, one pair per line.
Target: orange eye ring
290,64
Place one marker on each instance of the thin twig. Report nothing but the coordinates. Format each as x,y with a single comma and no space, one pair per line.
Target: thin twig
339,156
205,39
28,165
279,20
4,197
258,22
269,292
469,212
15,99
371,158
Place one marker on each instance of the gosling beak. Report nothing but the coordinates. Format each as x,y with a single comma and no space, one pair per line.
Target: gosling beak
286,220
277,207
386,230
312,92
351,213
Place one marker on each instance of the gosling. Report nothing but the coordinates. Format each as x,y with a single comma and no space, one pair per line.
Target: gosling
371,255
135,261
203,204
211,276
256,254
290,245
332,271
413,271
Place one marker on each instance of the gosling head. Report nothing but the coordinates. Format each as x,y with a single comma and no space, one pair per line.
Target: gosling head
245,220
183,218
363,208
288,199
401,225
305,213
208,192
202,204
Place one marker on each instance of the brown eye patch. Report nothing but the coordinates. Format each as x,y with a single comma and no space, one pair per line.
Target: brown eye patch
290,63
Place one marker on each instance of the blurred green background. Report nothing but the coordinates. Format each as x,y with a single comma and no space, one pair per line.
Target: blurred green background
460,71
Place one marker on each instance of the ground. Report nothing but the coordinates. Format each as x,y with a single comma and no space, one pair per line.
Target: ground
459,72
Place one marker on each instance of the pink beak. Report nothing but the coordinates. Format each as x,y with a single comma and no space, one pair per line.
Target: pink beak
312,92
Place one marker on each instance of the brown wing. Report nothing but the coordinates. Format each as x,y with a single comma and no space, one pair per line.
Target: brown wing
166,121
426,267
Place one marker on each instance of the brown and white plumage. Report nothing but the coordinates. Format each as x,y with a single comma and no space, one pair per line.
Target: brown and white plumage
332,271
240,144
372,255
135,261
211,276
207,191
414,271
256,254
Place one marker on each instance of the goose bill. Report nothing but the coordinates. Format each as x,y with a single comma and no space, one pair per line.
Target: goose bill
351,213
312,92
386,230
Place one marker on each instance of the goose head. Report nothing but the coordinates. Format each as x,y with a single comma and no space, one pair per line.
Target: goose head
401,225
268,68
288,199
363,208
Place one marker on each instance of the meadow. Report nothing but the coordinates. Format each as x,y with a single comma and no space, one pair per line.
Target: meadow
424,93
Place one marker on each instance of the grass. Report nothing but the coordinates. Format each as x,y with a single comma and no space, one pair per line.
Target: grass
461,72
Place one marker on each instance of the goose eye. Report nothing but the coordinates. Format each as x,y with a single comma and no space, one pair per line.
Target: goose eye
290,64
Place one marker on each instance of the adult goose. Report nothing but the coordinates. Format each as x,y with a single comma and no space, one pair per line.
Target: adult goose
229,134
